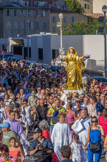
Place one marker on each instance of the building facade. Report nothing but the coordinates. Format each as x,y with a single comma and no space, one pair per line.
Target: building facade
98,4
87,5
93,6
19,21
68,18
46,3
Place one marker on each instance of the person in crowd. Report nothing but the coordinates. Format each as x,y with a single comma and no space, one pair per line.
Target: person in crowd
92,111
77,106
81,126
66,154
53,114
41,143
60,135
103,122
85,103
6,133
23,139
7,110
42,110
4,154
22,95
70,116
94,139
25,110
15,126
44,126
32,99
18,99
105,147
15,151
77,149
100,105
98,97
38,94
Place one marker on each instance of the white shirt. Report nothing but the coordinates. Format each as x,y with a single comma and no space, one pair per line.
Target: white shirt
77,151
61,136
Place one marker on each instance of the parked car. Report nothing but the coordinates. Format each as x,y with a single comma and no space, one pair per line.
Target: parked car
5,56
14,59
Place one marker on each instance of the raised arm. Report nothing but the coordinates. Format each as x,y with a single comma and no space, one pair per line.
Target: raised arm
83,57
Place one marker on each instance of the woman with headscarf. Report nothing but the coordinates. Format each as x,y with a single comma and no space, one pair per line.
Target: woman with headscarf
74,68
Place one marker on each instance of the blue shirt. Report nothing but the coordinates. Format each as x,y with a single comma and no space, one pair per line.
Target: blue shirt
99,107
45,143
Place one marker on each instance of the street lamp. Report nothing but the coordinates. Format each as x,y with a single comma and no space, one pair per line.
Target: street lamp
59,25
104,9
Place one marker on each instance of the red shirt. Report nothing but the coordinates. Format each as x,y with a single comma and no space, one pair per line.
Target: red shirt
103,123
46,134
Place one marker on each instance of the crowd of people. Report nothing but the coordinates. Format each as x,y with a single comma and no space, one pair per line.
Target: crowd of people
39,119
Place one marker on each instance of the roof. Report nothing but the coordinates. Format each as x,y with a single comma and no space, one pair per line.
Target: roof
12,5
94,15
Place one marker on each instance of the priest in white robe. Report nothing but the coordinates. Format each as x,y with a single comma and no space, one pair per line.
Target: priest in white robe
61,135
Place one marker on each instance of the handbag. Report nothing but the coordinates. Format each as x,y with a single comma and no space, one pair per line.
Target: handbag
94,147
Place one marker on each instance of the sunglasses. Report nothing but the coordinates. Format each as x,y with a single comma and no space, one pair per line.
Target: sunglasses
94,121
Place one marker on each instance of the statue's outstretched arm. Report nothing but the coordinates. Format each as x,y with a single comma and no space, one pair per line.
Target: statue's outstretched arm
64,59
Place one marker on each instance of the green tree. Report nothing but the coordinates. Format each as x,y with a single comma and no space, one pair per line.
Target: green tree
74,6
81,27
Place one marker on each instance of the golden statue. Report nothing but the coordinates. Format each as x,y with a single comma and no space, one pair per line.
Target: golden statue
75,67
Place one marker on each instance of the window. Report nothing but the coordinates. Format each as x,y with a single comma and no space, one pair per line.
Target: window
54,30
65,19
17,50
73,19
30,25
30,52
15,12
37,25
55,53
29,3
54,19
22,25
40,54
15,25
22,12
31,13
37,13
43,14
8,12
86,6
8,24
44,25
28,12
25,3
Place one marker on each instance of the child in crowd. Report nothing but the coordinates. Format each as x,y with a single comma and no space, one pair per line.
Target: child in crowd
15,151
76,149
